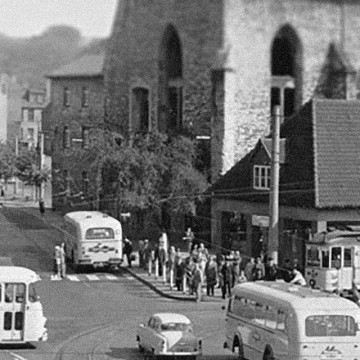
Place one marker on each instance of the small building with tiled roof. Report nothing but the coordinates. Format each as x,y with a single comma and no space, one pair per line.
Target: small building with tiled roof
319,182
73,116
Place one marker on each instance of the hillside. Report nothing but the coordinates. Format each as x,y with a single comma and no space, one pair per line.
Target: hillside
30,59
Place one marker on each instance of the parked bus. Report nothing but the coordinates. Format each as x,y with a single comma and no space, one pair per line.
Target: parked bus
21,313
93,239
277,320
333,262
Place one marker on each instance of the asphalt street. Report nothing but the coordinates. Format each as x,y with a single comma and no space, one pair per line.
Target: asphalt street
96,315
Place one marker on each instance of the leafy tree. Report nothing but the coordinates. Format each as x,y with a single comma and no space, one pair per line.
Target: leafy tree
153,172
7,162
28,169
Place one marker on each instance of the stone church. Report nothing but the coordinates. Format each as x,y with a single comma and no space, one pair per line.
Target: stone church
217,67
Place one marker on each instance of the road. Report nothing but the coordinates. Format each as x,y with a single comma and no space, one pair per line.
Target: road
94,316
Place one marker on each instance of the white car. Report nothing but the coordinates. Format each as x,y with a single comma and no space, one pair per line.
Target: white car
168,334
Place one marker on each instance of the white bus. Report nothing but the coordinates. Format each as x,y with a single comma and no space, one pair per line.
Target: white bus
21,313
93,239
277,320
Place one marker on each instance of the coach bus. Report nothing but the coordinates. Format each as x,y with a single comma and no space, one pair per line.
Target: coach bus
92,239
21,313
276,320
333,262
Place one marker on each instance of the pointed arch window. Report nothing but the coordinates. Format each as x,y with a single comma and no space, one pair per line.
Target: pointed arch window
140,110
286,71
170,82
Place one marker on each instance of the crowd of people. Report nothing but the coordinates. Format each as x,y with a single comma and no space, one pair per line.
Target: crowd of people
198,269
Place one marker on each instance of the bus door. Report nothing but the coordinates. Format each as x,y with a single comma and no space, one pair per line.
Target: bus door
13,309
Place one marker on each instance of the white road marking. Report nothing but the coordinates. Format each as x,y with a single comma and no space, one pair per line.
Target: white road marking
72,277
111,277
92,277
15,356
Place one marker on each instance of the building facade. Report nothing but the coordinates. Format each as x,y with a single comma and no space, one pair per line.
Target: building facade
75,112
217,68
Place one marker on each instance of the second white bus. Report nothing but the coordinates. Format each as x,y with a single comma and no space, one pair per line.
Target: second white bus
271,320
21,313
92,239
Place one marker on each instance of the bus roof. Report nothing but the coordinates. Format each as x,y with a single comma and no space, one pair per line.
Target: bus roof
296,296
91,217
18,274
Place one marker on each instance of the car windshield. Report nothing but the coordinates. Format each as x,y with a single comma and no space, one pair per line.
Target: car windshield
176,327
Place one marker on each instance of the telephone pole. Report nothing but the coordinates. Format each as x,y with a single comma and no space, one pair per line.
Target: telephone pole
273,244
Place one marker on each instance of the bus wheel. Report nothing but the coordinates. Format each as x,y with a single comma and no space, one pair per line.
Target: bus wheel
268,353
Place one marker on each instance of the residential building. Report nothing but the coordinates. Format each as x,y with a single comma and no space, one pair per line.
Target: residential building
75,112
10,108
33,103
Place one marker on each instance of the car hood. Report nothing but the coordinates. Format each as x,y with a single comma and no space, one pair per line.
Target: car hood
177,337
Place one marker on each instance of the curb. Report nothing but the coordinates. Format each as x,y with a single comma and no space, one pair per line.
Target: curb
154,288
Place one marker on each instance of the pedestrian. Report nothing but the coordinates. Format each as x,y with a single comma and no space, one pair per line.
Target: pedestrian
189,272
57,263
202,257
236,266
128,249
270,270
179,273
287,271
211,274
147,254
197,282
161,257
63,260
259,269
189,238
41,207
228,277
141,254
164,241
171,265
298,278
249,269
195,252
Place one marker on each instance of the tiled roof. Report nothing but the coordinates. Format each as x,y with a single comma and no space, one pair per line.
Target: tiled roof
85,66
337,152
322,159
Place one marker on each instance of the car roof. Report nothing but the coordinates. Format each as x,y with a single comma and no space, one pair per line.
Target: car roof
18,274
172,317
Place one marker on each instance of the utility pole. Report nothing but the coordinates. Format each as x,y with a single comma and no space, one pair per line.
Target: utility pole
273,244
16,185
41,167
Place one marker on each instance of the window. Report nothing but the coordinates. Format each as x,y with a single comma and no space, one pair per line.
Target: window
336,257
66,137
31,115
25,115
140,110
85,97
325,259
313,256
30,134
20,293
66,96
281,320
262,177
330,325
270,317
99,233
347,257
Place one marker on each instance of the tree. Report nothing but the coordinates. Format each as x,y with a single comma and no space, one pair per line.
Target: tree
7,162
28,168
154,172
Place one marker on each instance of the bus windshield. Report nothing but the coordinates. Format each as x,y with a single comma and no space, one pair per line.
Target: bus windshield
99,233
330,325
313,256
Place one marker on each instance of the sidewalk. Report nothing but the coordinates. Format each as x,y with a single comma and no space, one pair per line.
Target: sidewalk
54,219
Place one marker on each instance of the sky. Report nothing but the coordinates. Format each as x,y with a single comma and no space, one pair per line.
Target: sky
26,18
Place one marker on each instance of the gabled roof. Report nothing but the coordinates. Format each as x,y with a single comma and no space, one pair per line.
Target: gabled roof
85,66
322,159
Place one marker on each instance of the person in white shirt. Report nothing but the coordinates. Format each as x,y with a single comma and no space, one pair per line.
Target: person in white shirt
298,278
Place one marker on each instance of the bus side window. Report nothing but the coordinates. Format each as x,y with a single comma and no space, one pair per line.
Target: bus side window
335,257
281,320
32,294
347,257
325,259
20,293
259,314
270,317
9,293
